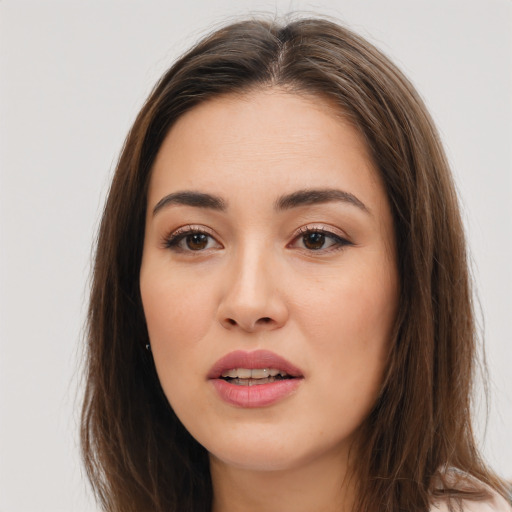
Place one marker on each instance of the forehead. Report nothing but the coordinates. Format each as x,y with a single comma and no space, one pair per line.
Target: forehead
270,140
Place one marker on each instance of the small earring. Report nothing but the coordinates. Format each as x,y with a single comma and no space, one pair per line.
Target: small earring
148,347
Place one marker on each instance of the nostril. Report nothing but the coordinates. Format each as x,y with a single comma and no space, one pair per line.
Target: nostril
262,322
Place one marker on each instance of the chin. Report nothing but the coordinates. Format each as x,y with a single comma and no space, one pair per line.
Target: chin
280,450
258,459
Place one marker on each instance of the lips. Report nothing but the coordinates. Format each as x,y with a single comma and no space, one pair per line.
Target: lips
253,360
250,392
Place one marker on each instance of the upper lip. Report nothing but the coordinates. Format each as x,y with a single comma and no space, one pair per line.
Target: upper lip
252,360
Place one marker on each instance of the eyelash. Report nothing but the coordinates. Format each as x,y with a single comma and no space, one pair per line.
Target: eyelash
338,241
174,239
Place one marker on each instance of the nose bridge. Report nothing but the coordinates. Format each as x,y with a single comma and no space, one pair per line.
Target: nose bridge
252,299
251,278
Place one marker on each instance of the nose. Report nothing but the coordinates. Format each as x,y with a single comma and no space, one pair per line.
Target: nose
253,299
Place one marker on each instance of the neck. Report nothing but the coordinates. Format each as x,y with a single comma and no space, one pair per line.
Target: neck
323,486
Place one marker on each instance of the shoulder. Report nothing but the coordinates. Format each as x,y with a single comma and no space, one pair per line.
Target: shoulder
493,502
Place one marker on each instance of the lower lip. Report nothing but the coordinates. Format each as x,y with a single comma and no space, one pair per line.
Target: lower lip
259,395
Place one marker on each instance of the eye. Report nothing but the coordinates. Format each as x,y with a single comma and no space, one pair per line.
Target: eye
318,239
191,239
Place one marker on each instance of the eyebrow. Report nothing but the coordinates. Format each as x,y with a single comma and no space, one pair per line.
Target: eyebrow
285,202
189,198
312,196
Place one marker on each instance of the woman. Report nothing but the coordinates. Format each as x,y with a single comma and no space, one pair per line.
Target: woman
280,315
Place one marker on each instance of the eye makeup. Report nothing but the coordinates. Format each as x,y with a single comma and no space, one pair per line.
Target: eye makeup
310,238
191,238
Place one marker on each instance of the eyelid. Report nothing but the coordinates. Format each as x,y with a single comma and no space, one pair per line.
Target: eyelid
340,238
322,228
174,237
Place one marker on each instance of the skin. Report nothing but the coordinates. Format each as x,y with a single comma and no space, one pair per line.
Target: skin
258,284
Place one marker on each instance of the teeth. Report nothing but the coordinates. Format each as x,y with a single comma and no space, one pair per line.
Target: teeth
256,373
243,373
253,382
231,373
259,373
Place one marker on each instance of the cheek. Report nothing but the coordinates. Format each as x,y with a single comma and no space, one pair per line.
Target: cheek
350,322
357,308
177,310
178,314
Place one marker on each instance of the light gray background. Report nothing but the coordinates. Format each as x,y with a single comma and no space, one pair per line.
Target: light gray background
73,76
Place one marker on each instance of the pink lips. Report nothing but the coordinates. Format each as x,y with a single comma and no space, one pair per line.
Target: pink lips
259,395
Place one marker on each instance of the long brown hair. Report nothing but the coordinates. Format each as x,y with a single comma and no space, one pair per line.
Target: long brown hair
138,455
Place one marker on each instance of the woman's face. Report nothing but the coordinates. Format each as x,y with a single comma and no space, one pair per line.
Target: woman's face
268,278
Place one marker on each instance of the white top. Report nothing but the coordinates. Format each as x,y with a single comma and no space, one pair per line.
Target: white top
496,502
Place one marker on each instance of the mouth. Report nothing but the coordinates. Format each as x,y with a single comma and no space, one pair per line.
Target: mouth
254,376
253,366
254,379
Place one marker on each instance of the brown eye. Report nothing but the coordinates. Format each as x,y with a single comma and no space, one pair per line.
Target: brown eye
314,241
191,240
320,240
196,241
